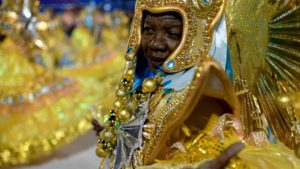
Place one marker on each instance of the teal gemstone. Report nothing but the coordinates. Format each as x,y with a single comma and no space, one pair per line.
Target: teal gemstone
166,91
129,50
118,126
167,83
206,2
170,64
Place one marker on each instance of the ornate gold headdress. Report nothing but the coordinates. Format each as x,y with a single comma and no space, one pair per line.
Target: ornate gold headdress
199,17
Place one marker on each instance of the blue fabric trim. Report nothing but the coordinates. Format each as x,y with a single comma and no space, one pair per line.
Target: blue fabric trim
228,67
167,83
272,139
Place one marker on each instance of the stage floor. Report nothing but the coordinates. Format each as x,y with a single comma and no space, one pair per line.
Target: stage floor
78,155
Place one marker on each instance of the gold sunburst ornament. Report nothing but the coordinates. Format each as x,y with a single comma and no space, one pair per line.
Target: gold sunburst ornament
270,75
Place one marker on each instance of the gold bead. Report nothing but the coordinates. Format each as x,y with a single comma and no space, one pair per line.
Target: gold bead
120,92
100,152
146,135
206,26
109,146
219,2
208,38
129,57
130,73
149,128
133,105
209,20
118,104
124,114
283,100
149,85
107,135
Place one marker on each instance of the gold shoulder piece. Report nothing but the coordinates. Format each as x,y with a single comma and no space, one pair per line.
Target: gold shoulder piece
209,81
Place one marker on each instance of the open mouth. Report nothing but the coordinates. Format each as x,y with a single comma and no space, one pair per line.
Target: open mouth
156,59
155,64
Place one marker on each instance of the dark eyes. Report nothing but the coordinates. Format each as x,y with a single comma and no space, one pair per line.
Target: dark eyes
173,32
148,29
176,34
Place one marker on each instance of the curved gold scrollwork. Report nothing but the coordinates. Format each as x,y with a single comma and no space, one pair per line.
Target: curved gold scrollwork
204,8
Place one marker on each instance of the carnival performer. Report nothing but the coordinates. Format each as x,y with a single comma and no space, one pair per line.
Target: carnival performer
175,105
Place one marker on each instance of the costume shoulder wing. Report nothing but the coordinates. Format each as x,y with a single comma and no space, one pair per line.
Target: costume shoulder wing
265,54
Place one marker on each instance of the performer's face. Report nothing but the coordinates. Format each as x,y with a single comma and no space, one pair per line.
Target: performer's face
161,35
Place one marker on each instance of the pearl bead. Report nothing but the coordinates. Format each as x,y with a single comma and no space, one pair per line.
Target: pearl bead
107,135
124,114
118,104
101,152
149,85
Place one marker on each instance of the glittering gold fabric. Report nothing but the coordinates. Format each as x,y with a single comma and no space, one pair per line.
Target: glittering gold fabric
247,27
204,146
39,112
